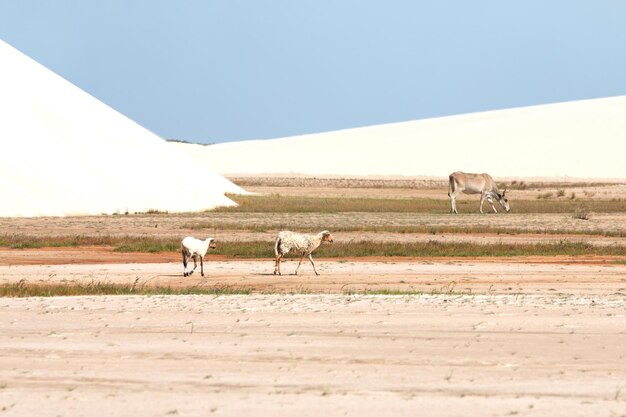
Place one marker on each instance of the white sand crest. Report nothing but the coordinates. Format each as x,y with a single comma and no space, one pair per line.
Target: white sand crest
63,152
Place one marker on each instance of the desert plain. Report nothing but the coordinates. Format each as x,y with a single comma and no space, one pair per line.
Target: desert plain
436,334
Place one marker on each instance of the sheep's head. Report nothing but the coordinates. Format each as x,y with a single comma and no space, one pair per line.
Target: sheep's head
327,237
212,243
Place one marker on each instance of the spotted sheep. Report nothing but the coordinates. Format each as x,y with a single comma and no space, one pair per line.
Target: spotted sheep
194,248
303,244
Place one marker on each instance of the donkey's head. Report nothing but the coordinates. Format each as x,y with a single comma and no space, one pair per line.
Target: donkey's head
504,202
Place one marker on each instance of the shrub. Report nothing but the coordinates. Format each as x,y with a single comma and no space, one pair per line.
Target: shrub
581,213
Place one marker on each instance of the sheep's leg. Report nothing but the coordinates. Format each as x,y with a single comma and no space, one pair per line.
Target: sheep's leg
202,265
195,265
303,255
185,273
277,266
313,263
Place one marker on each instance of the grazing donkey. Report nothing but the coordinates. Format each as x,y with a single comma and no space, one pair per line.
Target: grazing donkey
481,184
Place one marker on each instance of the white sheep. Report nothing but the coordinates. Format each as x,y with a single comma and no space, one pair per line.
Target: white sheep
300,243
194,248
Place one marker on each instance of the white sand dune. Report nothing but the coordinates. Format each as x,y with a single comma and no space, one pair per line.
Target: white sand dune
581,139
63,152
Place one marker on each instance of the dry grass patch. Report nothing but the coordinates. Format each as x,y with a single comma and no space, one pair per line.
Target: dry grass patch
264,249
289,204
276,203
121,243
404,229
25,289
540,185
19,241
464,249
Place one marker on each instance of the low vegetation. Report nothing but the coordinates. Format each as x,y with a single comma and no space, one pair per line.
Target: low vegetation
545,196
25,289
122,243
276,203
148,246
581,213
18,241
427,249
399,292
265,248
433,230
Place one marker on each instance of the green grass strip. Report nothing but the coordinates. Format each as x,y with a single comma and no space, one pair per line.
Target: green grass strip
148,246
265,249
18,241
24,289
427,249
439,229
296,204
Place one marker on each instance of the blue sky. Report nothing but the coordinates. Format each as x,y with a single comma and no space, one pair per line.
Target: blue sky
214,71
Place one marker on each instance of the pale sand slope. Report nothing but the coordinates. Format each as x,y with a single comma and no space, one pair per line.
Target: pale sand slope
63,152
313,355
582,139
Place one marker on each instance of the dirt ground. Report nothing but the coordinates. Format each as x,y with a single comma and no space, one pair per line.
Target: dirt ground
588,276
531,336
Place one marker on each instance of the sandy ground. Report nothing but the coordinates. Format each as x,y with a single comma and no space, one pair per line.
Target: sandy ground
589,276
488,336
312,355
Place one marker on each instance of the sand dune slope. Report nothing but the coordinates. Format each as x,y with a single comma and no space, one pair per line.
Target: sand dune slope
582,139
63,152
